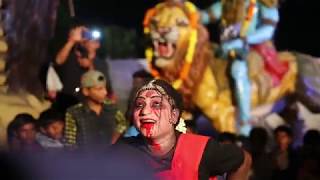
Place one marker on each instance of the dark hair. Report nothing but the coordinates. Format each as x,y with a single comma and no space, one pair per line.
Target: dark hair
18,121
142,74
227,136
48,117
173,94
312,137
258,137
284,129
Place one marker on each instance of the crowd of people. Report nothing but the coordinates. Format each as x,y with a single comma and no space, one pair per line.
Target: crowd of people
84,118
161,138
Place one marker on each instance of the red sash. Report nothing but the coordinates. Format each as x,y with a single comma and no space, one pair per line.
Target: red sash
186,159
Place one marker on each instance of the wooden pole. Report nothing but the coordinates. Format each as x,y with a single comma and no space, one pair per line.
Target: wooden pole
71,8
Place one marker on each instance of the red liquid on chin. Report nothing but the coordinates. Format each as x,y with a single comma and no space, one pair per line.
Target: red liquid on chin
148,127
156,146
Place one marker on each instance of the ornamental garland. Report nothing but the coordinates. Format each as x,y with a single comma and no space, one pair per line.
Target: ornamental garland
246,23
194,20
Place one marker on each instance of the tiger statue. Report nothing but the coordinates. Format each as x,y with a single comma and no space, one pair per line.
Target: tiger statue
182,54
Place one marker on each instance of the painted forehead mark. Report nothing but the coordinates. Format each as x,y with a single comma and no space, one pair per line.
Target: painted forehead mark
149,93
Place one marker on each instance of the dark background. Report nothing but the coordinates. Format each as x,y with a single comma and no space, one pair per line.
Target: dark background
298,29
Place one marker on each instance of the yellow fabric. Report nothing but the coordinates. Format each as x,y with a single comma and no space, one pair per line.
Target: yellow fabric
121,122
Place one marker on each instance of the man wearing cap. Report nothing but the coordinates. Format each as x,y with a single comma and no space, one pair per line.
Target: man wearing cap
78,55
95,123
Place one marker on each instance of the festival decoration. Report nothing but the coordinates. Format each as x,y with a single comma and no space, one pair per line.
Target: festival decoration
182,54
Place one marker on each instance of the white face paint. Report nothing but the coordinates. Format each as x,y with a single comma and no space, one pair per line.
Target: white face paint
153,114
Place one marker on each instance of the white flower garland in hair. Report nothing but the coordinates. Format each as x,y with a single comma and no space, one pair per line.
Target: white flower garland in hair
181,127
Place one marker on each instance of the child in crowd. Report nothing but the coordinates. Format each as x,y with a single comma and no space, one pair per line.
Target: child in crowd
139,78
51,125
284,155
21,133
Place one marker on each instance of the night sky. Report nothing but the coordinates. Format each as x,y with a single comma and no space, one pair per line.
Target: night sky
297,30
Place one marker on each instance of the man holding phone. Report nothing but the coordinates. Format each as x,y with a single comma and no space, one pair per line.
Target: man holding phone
77,56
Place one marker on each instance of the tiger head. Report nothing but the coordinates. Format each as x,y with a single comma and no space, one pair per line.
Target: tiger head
170,29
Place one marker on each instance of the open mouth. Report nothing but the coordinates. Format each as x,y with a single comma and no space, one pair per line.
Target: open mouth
147,123
164,49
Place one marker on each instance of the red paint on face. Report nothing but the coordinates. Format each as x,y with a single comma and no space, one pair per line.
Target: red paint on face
156,111
148,126
149,94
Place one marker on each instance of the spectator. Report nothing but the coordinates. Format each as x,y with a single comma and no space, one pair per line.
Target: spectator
22,134
310,156
139,78
284,156
261,158
292,117
96,122
77,56
51,124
